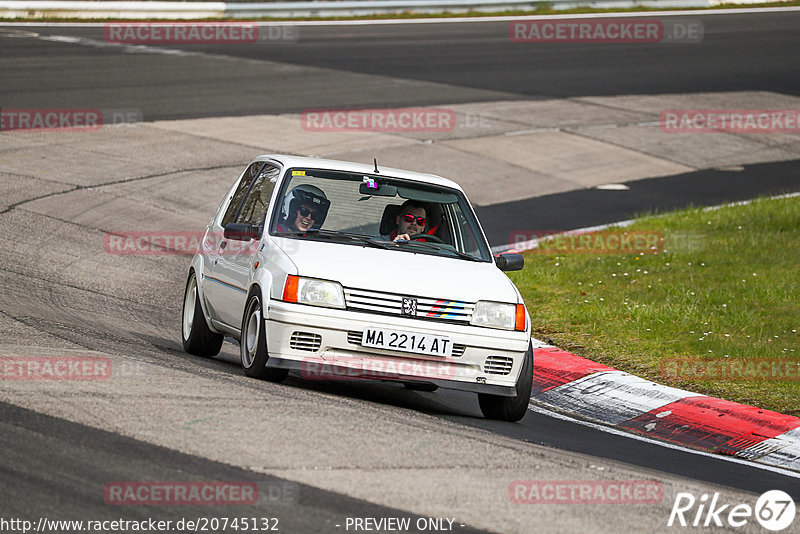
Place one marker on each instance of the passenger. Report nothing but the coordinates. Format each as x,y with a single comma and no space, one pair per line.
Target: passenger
304,208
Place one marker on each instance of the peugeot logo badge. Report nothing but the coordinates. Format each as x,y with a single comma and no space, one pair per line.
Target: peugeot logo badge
409,306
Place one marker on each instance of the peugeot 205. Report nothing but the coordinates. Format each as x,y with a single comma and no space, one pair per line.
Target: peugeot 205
335,269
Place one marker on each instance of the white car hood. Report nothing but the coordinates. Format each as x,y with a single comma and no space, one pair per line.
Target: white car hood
395,271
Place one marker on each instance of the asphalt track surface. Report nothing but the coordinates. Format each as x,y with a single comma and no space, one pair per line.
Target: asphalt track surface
584,208
57,468
105,456
466,63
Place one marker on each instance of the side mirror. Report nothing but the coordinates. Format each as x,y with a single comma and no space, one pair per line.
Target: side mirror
241,232
510,262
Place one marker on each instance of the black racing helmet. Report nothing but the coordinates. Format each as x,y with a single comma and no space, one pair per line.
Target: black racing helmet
306,194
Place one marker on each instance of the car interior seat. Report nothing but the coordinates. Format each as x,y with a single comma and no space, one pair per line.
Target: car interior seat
388,219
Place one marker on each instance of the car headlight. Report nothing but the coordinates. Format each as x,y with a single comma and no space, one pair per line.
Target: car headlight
499,315
313,292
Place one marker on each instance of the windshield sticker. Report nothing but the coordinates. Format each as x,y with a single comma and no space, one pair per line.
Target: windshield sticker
298,173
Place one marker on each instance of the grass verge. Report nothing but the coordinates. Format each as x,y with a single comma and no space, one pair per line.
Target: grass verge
713,307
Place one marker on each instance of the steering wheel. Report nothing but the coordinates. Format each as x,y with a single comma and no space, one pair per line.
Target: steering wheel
430,237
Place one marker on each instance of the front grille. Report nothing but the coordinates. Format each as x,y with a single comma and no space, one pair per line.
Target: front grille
498,365
305,341
354,338
364,300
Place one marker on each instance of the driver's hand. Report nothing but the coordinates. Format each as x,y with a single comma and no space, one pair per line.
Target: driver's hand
402,237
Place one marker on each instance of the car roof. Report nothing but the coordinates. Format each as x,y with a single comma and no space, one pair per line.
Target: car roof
336,165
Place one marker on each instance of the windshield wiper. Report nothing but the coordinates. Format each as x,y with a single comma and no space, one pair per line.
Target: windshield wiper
319,232
436,246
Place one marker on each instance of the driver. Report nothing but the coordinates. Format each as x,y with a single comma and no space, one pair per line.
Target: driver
410,220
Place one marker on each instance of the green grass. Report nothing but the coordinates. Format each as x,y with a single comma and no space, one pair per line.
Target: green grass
724,286
543,8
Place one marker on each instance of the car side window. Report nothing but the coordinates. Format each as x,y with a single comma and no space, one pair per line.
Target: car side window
254,208
241,192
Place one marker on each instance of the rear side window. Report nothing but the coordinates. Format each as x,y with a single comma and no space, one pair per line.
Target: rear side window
254,207
241,192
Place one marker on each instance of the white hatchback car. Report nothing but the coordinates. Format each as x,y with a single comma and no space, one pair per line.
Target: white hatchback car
342,270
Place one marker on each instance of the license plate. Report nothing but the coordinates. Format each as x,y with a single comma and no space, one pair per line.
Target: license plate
382,338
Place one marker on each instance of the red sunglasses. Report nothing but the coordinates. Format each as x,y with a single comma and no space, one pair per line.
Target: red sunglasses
410,218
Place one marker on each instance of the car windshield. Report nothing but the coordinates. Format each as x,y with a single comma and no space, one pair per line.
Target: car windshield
372,210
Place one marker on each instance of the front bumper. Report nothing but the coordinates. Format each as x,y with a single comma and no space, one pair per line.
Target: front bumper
325,344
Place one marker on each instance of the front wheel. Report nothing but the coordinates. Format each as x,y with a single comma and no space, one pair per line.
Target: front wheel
253,344
197,337
511,408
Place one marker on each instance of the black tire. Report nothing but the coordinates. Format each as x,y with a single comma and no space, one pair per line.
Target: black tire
511,408
253,343
197,337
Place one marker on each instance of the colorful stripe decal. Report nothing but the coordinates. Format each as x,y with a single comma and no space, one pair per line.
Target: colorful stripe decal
224,284
442,307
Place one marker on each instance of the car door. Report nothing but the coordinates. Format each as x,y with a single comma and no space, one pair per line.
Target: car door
235,258
212,245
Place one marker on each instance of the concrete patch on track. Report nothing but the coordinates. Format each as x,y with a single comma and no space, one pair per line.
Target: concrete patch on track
281,134
16,188
570,158
508,150
701,150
